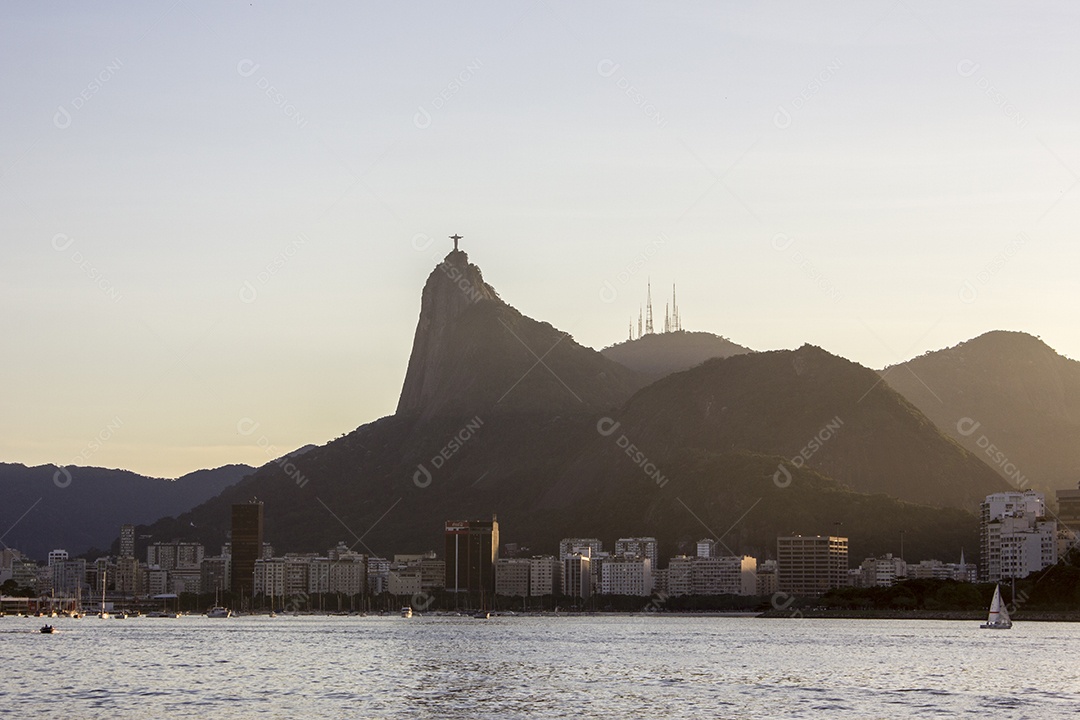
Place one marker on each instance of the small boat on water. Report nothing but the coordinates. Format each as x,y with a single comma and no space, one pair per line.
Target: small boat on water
999,613
406,612
47,629
481,615
219,612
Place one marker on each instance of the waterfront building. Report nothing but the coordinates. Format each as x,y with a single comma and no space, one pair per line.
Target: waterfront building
577,575
766,578
627,574
545,576
68,576
404,579
810,565
246,545
1016,537
348,574
378,574
714,575
660,582
175,555
58,555
432,573
185,580
1068,517
127,576
512,577
268,577
25,572
157,581
472,546
881,572
216,574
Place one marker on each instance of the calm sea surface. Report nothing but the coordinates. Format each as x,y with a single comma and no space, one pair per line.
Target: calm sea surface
514,667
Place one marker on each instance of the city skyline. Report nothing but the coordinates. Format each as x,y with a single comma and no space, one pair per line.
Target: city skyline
207,242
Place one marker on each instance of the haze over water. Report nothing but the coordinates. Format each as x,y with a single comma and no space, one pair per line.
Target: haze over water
514,667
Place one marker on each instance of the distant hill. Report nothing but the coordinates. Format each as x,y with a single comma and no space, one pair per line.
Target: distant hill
87,508
1023,396
661,354
832,414
502,414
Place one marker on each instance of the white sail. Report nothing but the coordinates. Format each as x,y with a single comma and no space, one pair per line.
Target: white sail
995,607
1003,610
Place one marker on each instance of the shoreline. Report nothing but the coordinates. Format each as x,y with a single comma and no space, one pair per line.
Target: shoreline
955,615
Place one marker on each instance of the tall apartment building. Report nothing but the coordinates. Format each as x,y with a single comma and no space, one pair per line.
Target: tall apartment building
569,546
577,575
378,575
545,576
1016,537
175,555
246,545
1068,517
716,575
472,546
882,571
267,577
127,541
640,546
810,565
512,577
216,574
627,574
68,576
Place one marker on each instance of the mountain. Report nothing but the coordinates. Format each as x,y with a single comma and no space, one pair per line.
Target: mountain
78,508
817,409
474,354
1007,397
660,354
504,415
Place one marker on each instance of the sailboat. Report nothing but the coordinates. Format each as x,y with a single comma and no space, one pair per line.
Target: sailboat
999,613
103,615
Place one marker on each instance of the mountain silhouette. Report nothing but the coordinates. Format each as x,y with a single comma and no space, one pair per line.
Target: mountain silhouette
1007,397
660,354
501,414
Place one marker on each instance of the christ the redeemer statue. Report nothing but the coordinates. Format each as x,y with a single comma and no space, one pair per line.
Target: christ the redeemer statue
455,238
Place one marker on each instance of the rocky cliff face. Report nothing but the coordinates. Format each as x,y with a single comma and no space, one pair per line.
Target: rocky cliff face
475,354
453,287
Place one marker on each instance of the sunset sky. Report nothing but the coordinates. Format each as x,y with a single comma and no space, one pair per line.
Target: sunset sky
217,215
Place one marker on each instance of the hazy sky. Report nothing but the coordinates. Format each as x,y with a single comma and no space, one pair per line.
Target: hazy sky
215,215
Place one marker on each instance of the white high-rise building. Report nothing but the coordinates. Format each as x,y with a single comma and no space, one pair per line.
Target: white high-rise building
627,575
882,571
56,556
577,576
719,575
1016,537
569,546
270,578
545,576
706,548
640,546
